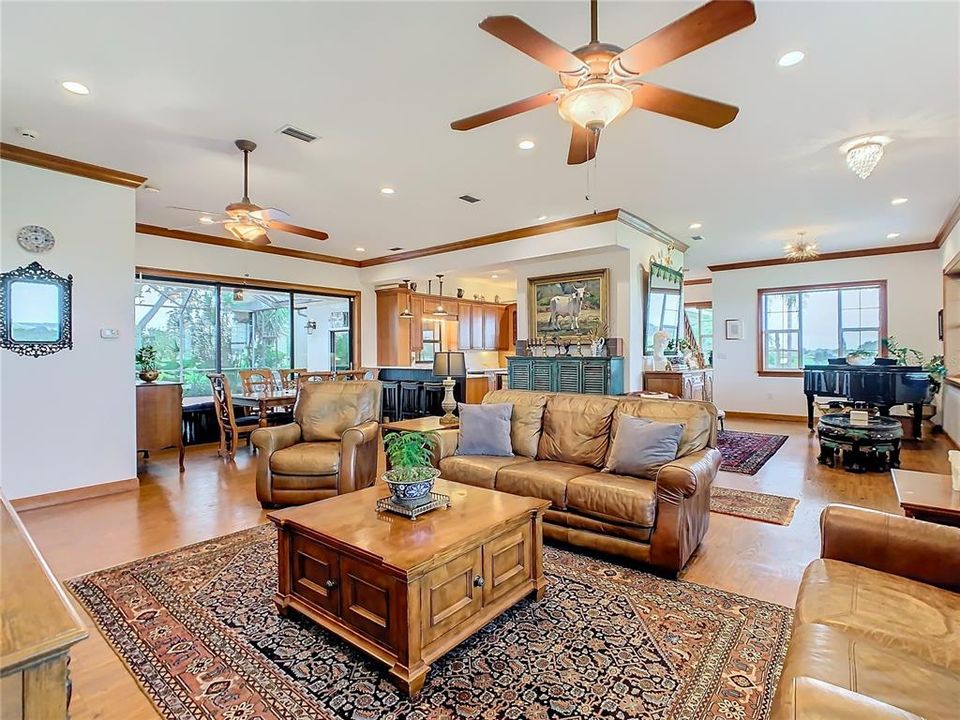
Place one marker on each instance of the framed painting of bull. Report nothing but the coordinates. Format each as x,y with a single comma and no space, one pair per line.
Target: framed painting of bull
570,306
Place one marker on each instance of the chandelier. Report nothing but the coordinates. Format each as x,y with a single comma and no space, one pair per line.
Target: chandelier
802,249
863,154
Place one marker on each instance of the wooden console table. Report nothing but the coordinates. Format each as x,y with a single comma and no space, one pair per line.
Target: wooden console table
160,417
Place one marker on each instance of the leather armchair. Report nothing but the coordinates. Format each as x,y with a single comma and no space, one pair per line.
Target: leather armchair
329,449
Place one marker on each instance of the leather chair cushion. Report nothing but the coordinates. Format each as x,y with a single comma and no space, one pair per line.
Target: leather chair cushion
526,420
309,458
325,409
479,470
542,479
697,419
576,429
614,498
320,486
858,664
904,615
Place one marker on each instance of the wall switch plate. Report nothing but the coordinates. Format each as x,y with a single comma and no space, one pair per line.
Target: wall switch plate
109,333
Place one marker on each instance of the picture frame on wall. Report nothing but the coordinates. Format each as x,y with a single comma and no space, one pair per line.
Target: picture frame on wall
569,306
734,329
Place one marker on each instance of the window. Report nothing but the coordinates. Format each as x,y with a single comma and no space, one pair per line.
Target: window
700,317
201,327
809,325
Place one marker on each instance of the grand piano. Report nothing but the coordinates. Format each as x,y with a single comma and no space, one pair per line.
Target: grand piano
880,385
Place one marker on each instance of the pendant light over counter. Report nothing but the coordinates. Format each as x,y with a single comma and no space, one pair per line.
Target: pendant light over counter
440,311
406,313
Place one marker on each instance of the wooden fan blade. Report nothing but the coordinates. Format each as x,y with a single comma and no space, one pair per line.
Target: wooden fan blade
583,145
514,31
202,212
676,104
505,111
297,230
270,213
705,25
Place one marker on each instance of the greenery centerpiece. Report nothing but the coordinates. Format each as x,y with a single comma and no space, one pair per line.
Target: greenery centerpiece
861,358
934,368
411,474
148,363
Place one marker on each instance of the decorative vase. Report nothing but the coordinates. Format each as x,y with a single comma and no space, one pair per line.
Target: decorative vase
411,486
412,286
459,292
149,375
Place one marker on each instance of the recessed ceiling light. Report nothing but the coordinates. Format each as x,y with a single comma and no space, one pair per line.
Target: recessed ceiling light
360,249
791,58
387,191
696,226
526,144
207,220
494,276
541,217
892,236
899,201
75,87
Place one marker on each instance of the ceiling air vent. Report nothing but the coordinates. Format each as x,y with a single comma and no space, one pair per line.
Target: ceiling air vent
698,238
469,199
396,249
297,133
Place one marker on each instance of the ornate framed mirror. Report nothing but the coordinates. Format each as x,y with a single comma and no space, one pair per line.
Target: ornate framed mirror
36,311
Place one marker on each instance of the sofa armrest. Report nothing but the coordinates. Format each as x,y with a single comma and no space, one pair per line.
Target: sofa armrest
913,549
448,438
817,700
684,476
358,457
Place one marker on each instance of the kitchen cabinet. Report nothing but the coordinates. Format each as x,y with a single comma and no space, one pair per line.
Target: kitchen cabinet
476,328
465,316
416,324
491,326
508,328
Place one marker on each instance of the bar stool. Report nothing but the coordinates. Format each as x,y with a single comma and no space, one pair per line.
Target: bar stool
432,397
390,406
410,402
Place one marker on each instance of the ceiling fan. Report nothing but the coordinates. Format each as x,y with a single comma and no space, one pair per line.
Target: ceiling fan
249,222
600,82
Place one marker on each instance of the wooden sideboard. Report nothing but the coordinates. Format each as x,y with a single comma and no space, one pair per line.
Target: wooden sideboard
589,375
685,384
160,417
38,626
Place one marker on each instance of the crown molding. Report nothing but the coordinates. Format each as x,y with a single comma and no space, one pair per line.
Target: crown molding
638,223
839,255
238,245
27,156
948,225
698,281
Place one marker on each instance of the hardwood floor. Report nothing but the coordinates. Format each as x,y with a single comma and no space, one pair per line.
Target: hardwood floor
215,497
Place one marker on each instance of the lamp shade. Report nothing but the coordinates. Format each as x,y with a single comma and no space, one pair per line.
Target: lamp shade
449,364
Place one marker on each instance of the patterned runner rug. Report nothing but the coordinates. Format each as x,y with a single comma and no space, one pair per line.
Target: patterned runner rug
198,630
746,452
775,509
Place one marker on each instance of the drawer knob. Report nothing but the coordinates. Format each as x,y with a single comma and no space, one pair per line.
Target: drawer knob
478,581
330,584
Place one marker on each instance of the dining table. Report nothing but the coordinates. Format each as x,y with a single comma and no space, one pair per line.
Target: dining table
265,401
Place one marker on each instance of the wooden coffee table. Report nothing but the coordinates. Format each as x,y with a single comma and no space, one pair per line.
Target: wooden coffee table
407,591
927,496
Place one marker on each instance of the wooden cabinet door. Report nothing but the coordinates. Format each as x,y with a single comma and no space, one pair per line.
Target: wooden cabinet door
315,574
368,600
520,375
491,327
463,331
568,376
692,386
450,594
541,372
476,328
708,385
416,324
595,376
507,562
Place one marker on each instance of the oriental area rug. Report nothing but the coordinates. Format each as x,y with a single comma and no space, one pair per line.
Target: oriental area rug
198,630
746,452
775,509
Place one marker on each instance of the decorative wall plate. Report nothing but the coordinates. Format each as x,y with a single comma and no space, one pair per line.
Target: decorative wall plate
35,238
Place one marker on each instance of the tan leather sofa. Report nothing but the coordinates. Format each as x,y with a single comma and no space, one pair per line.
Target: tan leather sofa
560,443
877,626
329,449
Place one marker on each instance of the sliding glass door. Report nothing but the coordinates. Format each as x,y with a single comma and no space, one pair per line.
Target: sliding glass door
321,328
254,330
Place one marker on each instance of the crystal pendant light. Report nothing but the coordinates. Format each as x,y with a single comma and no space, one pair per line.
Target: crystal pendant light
863,154
801,249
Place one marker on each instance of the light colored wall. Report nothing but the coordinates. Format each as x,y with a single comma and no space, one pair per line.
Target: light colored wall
950,409
913,298
69,419
697,293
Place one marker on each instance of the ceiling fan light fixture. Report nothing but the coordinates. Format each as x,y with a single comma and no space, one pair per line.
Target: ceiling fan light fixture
246,231
863,154
595,105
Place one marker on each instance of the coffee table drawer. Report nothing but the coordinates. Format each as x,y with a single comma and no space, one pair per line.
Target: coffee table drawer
315,573
368,600
451,593
506,563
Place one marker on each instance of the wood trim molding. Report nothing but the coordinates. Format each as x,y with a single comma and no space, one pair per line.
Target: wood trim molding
948,225
27,156
66,496
238,245
698,281
617,214
839,255
776,417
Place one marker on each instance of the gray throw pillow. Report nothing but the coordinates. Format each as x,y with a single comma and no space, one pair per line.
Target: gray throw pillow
641,446
485,429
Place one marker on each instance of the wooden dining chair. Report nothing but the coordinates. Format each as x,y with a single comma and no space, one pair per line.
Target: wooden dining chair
312,377
259,380
290,377
231,427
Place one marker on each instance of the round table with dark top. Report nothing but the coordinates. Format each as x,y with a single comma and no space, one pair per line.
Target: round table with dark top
874,446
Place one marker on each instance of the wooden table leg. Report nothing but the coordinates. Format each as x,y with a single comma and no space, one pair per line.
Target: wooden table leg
410,680
263,412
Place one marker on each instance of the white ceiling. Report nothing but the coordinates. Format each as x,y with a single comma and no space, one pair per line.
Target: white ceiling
173,84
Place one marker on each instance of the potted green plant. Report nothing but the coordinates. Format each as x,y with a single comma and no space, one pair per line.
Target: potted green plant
411,474
148,359
861,358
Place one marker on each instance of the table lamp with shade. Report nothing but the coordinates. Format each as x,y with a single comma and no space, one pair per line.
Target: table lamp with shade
449,365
